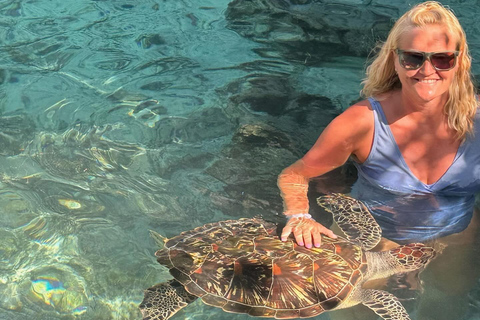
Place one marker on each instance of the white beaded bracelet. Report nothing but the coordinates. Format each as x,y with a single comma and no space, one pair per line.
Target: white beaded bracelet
300,215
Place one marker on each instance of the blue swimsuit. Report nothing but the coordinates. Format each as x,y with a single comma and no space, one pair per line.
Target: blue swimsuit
406,208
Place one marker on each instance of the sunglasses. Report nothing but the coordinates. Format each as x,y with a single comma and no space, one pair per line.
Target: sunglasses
413,60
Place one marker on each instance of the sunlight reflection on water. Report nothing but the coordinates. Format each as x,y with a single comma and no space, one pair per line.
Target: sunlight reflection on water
116,119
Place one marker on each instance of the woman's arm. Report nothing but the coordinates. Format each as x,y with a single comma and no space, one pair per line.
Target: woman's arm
349,134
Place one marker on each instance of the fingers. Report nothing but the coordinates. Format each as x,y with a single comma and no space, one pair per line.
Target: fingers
307,238
307,232
329,233
286,232
317,239
298,236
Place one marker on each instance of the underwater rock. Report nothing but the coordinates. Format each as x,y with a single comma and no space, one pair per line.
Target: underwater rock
115,308
351,27
263,135
44,193
83,205
15,209
171,158
148,111
9,297
278,123
9,248
15,134
274,95
35,270
187,143
248,167
83,156
275,100
264,93
340,81
163,208
60,288
146,41
196,127
46,54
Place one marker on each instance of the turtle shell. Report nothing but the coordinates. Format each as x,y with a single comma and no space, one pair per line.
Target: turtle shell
242,266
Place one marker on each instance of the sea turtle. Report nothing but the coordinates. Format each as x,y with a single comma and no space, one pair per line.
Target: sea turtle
242,266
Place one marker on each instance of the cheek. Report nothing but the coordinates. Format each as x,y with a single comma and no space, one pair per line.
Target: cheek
448,77
396,64
406,75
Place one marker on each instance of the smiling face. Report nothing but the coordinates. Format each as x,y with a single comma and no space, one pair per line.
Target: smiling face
426,84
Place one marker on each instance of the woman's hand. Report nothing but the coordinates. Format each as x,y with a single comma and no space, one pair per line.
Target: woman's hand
305,230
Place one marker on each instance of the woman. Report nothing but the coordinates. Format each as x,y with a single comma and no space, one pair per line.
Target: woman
404,140
415,141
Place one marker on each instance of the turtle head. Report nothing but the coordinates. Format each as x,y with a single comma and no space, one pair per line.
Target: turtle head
412,256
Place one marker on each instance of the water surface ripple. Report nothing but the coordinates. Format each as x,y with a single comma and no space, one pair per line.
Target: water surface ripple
118,117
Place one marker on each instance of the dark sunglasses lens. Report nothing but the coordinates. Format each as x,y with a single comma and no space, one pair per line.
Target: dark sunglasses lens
443,61
411,60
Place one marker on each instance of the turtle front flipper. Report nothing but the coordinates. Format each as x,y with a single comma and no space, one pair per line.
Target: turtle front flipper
353,218
385,304
163,300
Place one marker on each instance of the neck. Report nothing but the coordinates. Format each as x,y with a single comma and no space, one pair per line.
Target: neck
429,108
380,265
416,111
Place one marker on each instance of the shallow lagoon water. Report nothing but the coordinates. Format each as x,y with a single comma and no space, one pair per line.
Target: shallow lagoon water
118,118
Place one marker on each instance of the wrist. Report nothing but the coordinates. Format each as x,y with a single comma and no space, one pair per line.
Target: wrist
300,215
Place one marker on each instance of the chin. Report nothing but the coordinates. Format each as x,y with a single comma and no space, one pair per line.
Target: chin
429,95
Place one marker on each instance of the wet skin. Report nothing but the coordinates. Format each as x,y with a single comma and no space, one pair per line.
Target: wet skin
415,114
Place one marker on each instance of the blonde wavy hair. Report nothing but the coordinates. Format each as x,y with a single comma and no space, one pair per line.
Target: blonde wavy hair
381,77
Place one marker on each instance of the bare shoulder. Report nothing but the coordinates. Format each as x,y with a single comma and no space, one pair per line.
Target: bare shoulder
356,127
361,108
348,134
358,116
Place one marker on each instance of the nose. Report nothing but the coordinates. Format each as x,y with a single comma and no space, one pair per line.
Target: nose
427,67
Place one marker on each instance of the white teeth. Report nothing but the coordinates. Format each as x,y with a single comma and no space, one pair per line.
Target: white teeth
428,80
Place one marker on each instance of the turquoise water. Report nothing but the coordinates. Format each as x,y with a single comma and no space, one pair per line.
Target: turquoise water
122,117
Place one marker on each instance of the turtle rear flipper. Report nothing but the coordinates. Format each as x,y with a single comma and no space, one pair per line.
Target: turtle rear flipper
158,238
412,256
163,300
353,218
385,304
